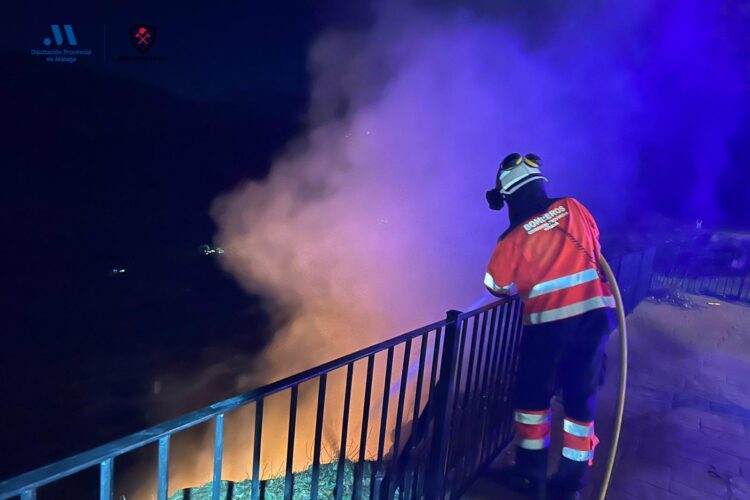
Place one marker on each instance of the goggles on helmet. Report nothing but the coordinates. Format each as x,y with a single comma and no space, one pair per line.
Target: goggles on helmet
516,171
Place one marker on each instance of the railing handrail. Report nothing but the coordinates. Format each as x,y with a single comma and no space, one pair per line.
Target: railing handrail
76,463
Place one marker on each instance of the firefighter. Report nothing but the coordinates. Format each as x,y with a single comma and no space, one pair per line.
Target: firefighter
549,256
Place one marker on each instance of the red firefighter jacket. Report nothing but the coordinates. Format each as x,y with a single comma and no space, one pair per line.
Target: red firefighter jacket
551,261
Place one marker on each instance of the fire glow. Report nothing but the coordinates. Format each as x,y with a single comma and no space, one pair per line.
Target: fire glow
239,440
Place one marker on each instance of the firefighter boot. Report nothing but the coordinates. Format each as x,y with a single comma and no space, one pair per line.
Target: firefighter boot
528,476
568,481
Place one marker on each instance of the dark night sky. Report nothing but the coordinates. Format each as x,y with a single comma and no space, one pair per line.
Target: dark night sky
113,164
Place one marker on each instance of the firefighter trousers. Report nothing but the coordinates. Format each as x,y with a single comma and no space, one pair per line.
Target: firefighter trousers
569,354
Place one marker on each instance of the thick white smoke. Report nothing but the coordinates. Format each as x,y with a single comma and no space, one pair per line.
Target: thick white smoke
375,221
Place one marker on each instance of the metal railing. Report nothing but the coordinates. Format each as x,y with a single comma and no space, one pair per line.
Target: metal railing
473,392
724,287
700,272
454,375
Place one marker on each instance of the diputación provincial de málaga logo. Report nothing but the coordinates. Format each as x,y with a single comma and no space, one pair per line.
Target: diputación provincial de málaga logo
62,45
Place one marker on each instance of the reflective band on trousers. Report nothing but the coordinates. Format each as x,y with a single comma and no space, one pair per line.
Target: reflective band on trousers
534,444
571,310
563,283
578,455
578,429
532,418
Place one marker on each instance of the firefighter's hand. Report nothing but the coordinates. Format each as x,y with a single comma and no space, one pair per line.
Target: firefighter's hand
503,292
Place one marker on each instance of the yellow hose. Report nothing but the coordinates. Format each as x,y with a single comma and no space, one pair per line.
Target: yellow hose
623,377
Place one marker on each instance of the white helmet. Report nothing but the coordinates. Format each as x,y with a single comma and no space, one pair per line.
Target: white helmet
516,171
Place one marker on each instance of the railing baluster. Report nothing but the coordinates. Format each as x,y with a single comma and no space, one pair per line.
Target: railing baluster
485,340
473,366
436,356
375,489
399,418
289,478
481,393
218,455
435,361
443,410
502,372
384,409
256,448
162,489
401,396
344,432
420,381
499,321
409,484
484,394
507,370
517,328
359,468
420,480
460,367
318,438
468,404
105,479
419,469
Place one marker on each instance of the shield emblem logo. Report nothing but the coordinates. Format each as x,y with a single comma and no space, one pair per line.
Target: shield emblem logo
142,37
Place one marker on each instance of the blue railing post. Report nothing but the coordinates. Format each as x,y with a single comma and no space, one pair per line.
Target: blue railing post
162,490
256,448
105,479
443,405
218,455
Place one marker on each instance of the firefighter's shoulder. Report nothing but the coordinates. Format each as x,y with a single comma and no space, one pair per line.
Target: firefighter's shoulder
573,202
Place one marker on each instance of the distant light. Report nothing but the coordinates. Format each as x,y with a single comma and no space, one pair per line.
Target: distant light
208,249
117,271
